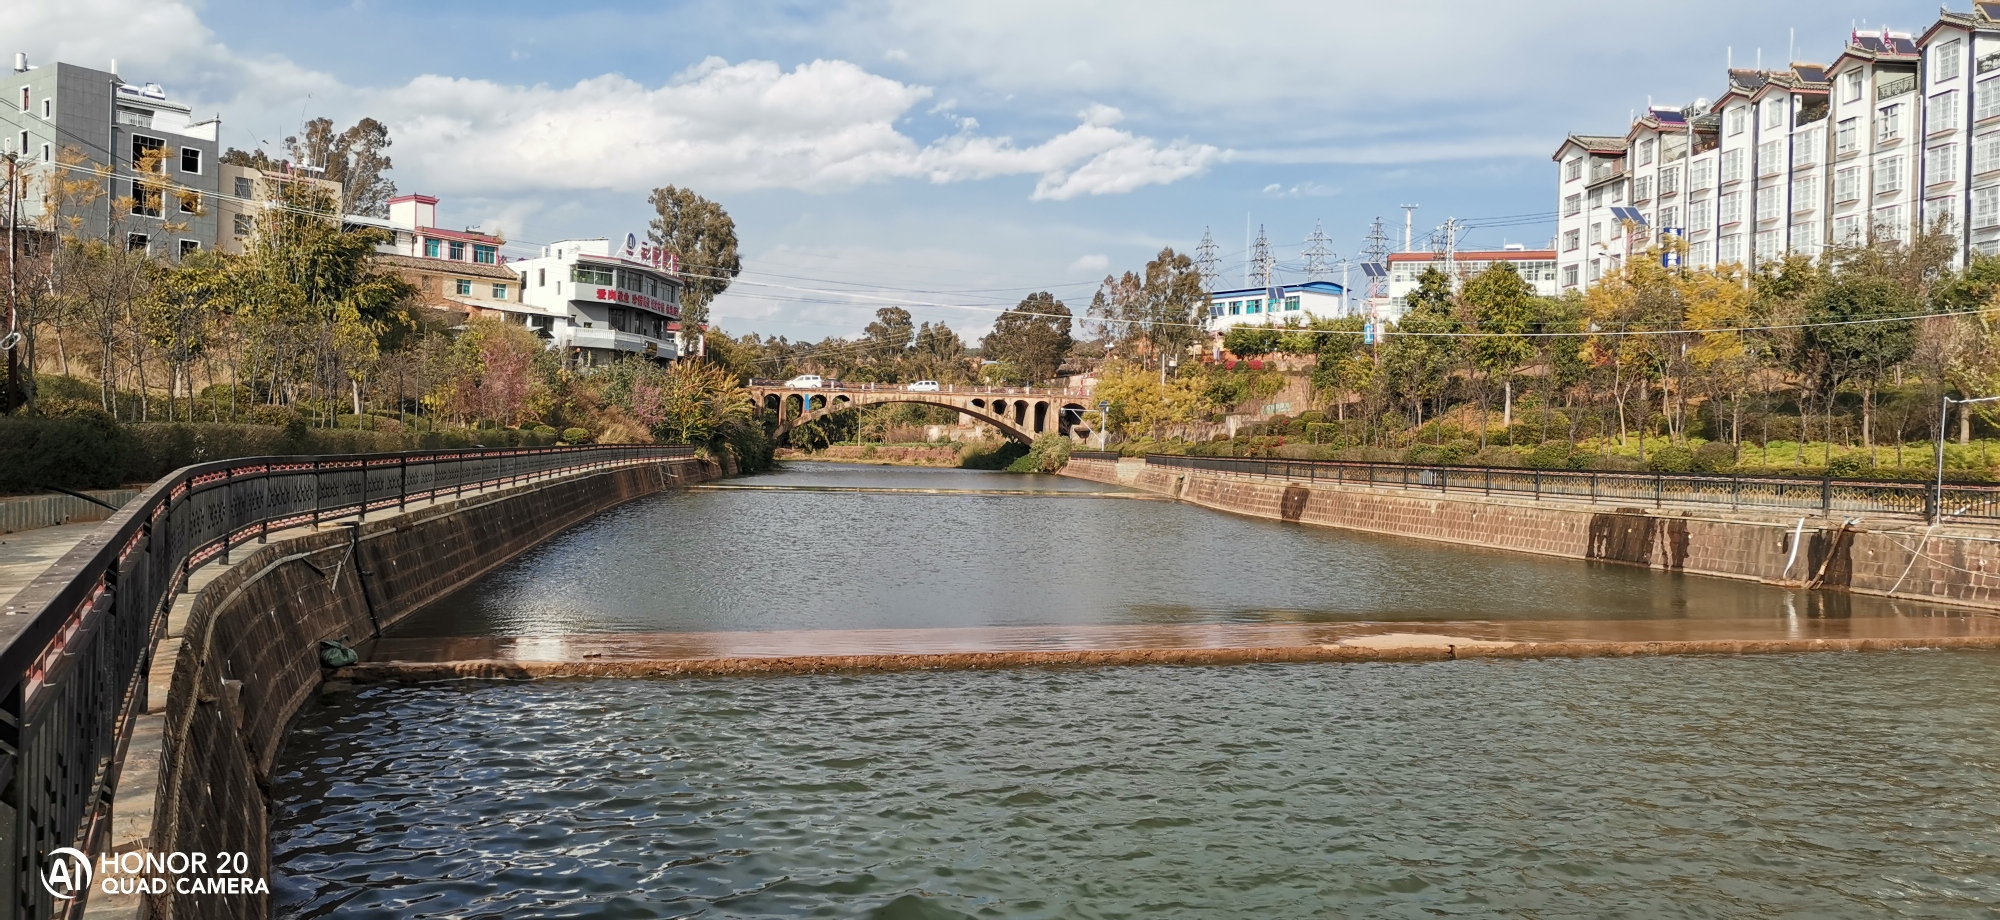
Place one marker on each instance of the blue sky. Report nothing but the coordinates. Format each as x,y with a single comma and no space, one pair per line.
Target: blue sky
952,157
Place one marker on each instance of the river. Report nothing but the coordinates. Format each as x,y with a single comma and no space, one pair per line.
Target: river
1813,785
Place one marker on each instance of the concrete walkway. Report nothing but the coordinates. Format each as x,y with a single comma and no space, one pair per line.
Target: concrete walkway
27,554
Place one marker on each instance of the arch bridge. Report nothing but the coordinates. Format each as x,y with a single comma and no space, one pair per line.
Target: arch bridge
1020,413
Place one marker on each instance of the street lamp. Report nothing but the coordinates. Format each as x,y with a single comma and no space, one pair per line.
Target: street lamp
1944,411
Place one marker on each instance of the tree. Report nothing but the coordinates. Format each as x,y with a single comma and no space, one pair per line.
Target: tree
1033,337
703,235
353,158
888,339
1849,347
1156,312
1502,307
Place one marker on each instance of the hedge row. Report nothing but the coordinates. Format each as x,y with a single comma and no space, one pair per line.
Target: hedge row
91,451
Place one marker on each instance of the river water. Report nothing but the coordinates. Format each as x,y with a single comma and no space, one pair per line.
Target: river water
1808,786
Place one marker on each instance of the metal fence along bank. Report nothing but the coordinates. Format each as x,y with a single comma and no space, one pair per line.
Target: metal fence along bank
77,646
1964,502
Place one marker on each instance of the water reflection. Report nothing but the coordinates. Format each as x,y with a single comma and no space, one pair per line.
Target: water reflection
719,561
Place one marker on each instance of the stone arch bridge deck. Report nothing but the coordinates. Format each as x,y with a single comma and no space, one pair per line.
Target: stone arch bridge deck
1020,413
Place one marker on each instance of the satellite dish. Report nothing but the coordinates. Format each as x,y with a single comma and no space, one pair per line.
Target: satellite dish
631,242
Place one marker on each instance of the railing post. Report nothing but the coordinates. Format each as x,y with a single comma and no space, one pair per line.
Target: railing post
317,493
1659,486
1538,485
228,510
1489,481
361,515
403,482
1826,497
1593,488
264,529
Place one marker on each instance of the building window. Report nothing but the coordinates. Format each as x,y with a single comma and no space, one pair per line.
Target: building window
1805,148
541,277
1669,217
1642,188
1986,99
1646,152
457,251
242,223
145,200
1236,308
1767,245
1729,249
1291,303
1986,155
188,247
1847,229
1771,157
1889,222
24,98
1986,207
1670,180
1731,209
1573,205
149,148
1700,216
1847,184
1941,213
482,254
465,286
1596,234
432,248
1889,124
190,160
1571,240
45,154
1941,112
1770,202
1573,170
243,189
1253,305
1851,87
1701,175
1596,269
1946,60
583,274
1889,175
1739,118
48,108
1569,276
1941,164
23,149
499,292
1805,194
190,201
1847,135
1732,166
137,242
1774,112
137,118
1805,238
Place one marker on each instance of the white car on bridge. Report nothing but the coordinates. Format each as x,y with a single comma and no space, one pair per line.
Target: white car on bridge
806,380
923,386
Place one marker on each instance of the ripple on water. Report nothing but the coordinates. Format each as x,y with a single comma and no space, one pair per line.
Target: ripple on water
1818,785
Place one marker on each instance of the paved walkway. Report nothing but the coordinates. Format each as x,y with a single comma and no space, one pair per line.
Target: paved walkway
26,554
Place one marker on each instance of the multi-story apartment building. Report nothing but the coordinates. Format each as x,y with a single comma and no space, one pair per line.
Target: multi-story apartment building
56,111
246,192
1895,135
597,305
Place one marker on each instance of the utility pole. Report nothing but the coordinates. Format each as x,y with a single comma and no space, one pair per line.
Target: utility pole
12,342
1408,211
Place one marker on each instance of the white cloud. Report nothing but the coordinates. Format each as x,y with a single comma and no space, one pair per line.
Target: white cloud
1090,264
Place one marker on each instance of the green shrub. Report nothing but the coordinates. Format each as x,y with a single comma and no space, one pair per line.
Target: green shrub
1551,455
575,435
1847,467
992,456
80,451
1673,459
1715,457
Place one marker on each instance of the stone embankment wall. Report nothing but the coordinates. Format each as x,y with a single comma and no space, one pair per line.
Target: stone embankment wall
250,653
870,453
1957,565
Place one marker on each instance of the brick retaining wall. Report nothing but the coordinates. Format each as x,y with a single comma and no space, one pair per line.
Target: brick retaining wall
250,656
1954,565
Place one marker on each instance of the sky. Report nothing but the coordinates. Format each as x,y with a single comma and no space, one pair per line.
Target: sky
951,158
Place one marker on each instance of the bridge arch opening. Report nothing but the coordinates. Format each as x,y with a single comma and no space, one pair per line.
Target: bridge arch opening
1041,417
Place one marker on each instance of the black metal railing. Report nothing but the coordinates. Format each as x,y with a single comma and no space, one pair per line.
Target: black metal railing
76,649
1111,455
1784,494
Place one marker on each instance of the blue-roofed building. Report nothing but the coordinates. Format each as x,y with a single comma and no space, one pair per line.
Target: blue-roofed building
1276,305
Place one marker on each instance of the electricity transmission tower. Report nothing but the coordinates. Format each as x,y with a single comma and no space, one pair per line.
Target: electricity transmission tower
1375,250
1444,242
1262,263
1206,262
1317,255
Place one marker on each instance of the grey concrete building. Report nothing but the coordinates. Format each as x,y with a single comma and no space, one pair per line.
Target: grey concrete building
58,111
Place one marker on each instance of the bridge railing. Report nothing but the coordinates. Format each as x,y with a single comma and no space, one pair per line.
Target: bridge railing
76,644
958,389
1781,494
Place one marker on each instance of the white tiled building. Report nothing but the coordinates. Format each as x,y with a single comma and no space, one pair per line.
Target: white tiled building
1535,266
1900,132
1276,305
598,304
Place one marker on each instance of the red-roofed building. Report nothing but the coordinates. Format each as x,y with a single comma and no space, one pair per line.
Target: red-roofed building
1536,266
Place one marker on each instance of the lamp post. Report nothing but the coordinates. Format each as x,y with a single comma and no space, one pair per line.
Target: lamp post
1944,411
